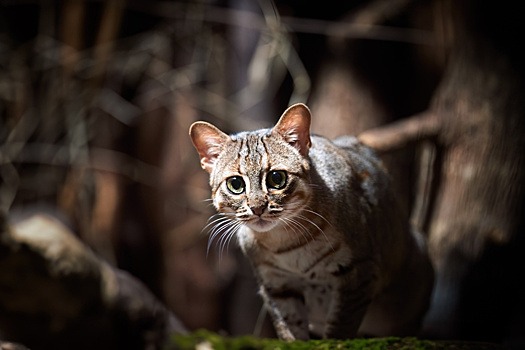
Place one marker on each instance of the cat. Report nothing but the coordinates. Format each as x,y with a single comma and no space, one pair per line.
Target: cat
333,255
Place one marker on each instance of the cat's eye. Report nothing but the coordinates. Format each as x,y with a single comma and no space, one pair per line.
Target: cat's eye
235,184
276,179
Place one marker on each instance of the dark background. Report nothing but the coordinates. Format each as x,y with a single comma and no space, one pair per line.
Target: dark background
96,98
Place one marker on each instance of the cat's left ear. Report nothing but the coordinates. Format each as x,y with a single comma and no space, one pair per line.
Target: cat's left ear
208,141
294,126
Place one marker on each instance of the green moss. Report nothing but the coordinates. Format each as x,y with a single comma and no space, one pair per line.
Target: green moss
205,340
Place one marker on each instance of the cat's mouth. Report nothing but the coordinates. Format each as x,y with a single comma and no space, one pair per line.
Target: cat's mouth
259,224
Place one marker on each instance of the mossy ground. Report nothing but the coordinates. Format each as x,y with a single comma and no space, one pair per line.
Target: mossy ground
204,340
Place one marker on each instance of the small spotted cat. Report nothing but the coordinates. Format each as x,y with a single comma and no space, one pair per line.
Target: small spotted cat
333,255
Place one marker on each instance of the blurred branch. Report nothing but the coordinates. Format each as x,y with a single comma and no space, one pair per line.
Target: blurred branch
73,12
107,34
379,11
400,133
359,31
11,346
11,182
366,29
56,293
100,159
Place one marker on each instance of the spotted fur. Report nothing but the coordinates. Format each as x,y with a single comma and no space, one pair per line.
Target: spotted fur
332,252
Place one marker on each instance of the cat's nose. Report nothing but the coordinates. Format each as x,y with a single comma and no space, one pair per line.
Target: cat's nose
258,210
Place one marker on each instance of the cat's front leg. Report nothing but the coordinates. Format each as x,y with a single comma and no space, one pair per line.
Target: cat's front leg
350,300
288,312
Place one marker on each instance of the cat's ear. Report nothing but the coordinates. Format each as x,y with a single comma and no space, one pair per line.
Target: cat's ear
209,142
294,126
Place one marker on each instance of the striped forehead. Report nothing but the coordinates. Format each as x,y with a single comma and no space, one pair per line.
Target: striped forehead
252,154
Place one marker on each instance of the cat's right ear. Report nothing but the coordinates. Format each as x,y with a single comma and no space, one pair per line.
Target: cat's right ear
208,141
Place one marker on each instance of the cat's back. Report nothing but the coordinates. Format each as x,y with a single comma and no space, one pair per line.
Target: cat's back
345,163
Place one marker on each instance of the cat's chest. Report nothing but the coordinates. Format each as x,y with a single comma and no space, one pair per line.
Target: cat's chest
313,261
312,271
316,261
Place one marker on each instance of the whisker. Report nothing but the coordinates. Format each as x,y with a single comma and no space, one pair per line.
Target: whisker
221,225
287,225
308,209
231,235
297,227
226,237
221,217
208,202
218,230
303,217
317,227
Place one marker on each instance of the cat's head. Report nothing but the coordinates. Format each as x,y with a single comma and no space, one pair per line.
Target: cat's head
258,178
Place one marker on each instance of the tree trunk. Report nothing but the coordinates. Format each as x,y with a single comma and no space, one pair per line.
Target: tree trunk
478,206
475,216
